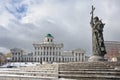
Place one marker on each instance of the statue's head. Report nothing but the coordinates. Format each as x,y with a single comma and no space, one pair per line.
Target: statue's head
96,19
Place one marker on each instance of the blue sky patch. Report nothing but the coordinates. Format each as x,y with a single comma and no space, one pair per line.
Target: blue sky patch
16,8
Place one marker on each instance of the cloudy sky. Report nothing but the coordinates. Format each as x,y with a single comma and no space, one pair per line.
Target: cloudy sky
23,22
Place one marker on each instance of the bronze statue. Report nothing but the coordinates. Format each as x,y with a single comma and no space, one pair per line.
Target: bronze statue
97,35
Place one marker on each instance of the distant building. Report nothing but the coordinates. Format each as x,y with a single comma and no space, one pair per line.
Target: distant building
17,55
48,51
113,49
2,59
73,55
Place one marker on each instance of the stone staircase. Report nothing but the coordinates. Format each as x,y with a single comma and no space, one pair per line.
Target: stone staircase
90,71
65,71
45,70
39,72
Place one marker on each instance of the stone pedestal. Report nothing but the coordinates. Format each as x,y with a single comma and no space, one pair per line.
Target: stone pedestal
96,58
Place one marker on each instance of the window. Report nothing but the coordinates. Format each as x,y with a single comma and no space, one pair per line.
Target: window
13,58
44,59
44,53
22,59
27,59
56,60
48,40
76,59
53,58
56,53
19,59
44,48
47,59
19,53
50,48
47,53
16,59
59,60
31,53
38,59
59,53
76,54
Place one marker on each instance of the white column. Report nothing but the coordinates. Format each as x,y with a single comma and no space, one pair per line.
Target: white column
51,59
81,57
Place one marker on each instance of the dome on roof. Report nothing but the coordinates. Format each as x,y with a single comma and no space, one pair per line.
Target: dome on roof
49,35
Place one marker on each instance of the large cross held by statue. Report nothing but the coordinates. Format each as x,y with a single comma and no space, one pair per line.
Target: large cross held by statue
92,12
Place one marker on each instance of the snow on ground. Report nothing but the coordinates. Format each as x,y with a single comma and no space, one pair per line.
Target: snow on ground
20,64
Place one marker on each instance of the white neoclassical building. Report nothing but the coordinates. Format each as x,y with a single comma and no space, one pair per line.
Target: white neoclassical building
73,55
17,54
48,51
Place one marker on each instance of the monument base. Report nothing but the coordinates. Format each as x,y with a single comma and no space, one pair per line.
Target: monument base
96,58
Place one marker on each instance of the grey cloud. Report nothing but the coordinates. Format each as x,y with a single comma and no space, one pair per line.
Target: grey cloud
69,26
